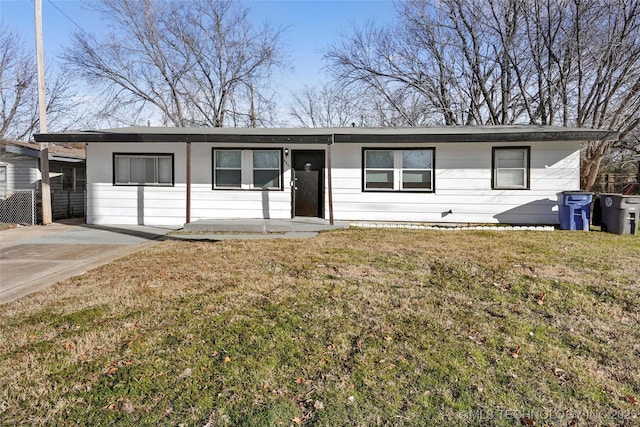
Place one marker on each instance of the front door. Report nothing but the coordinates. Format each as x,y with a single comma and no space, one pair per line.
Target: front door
308,183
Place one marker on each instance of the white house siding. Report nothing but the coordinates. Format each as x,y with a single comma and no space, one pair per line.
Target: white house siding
462,184
217,204
148,205
151,205
22,173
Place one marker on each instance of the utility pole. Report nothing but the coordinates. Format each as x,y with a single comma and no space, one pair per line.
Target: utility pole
252,114
42,110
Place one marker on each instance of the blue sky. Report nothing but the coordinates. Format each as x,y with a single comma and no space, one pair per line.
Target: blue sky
311,27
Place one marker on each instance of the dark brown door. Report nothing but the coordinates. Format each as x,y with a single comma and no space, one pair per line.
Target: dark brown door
308,185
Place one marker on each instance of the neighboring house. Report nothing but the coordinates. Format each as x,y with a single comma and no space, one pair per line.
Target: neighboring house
20,171
169,176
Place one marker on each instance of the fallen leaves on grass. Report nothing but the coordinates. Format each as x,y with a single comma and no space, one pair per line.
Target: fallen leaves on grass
127,406
516,352
502,286
528,421
121,404
186,373
462,319
110,370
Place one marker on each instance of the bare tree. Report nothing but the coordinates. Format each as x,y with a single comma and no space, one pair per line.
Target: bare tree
327,106
197,63
609,94
339,105
18,92
386,63
556,62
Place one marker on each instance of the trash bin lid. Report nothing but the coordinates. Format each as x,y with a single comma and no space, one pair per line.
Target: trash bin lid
630,200
576,192
582,198
611,200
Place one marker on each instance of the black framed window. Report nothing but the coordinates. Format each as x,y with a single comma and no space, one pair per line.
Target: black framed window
247,169
511,168
143,169
407,169
266,169
228,168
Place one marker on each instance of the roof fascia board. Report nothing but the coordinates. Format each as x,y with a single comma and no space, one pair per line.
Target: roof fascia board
477,137
421,135
97,137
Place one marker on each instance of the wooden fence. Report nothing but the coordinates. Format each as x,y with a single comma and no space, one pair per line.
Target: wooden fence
616,183
67,204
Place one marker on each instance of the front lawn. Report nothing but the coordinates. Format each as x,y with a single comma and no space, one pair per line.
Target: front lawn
353,327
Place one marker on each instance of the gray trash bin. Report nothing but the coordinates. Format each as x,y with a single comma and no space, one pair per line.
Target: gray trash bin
618,213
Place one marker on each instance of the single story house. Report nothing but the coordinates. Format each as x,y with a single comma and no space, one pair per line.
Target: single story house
20,178
172,176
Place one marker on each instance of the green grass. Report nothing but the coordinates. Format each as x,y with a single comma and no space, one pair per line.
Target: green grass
354,327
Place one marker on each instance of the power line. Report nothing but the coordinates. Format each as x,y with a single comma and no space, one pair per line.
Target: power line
66,16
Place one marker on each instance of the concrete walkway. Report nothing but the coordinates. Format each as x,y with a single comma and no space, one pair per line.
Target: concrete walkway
32,258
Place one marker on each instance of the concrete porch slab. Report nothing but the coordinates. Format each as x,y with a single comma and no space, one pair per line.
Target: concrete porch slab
296,225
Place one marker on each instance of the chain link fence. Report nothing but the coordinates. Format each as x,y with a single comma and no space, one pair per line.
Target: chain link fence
19,207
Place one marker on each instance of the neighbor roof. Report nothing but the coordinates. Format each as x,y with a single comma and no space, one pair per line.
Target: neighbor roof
519,133
56,152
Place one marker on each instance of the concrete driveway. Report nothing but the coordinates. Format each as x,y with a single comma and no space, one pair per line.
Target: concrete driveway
32,258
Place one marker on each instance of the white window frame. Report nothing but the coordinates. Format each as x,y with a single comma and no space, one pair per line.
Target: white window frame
398,170
155,156
247,169
525,169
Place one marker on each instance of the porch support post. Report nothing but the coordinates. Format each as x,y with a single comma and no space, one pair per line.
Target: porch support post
330,184
188,213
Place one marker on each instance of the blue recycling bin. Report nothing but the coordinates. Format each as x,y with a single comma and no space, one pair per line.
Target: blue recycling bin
574,210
